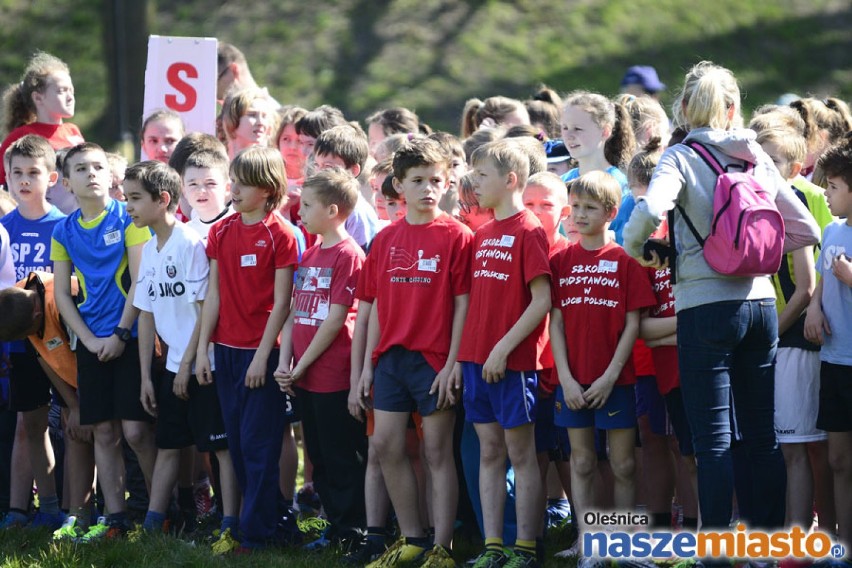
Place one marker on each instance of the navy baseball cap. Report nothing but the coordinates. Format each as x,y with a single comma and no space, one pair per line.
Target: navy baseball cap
645,76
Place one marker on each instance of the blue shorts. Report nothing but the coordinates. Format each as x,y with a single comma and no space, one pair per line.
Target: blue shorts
401,382
618,412
510,402
548,437
649,401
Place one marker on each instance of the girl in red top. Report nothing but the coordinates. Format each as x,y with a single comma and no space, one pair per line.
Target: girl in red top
39,104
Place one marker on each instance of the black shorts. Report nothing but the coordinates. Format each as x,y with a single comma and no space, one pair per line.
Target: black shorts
29,386
835,398
401,382
110,390
182,423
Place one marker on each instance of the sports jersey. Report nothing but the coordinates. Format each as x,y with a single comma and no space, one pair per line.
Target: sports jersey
31,240
836,296
507,255
247,257
58,135
413,273
30,247
326,276
171,281
665,357
203,227
51,341
595,289
784,280
98,250
547,382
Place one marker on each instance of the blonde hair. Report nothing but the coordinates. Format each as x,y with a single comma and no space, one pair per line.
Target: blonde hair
709,92
552,182
507,156
261,167
236,105
335,186
598,186
647,117
496,108
607,114
790,143
642,165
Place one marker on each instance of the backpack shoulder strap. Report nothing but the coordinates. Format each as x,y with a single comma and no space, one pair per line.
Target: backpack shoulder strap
707,156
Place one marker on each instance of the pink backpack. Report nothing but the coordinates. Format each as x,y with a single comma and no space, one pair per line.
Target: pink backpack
747,233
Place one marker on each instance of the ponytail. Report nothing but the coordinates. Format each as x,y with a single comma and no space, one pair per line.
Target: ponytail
468,120
811,128
841,120
621,144
709,92
18,109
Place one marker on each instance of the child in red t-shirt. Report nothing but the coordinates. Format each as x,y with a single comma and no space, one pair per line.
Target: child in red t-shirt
547,197
252,257
317,337
417,276
598,293
502,344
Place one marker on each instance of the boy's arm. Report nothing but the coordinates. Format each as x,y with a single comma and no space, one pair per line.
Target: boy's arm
113,346
666,341
448,382
69,395
651,329
181,384
283,288
372,340
597,394
146,354
325,336
285,354
356,358
571,389
805,276
209,318
494,368
815,320
68,309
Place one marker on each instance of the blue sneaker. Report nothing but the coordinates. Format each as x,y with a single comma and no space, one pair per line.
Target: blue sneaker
558,512
13,520
51,521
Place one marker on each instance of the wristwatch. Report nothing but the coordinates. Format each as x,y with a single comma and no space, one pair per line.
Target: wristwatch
122,333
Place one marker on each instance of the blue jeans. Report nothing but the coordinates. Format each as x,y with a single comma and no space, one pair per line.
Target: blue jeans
726,352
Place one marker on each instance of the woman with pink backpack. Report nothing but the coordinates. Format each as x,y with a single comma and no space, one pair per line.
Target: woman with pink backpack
726,201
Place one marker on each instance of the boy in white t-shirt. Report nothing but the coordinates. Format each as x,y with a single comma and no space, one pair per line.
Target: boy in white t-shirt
170,290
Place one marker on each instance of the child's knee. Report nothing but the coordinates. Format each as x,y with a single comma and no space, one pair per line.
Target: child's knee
623,467
491,451
107,432
840,461
583,463
138,434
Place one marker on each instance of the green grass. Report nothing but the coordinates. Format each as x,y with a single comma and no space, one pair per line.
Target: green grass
431,55
20,548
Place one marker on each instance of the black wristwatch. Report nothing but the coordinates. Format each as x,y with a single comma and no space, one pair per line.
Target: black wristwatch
122,333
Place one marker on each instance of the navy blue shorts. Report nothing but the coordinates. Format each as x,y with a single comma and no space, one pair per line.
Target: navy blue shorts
650,402
549,437
510,402
618,412
182,423
679,422
401,382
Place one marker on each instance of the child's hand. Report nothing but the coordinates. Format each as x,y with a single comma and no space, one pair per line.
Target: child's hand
597,394
147,398
444,384
256,374
74,430
354,404
815,324
202,367
841,266
365,386
285,382
180,386
111,348
573,393
494,369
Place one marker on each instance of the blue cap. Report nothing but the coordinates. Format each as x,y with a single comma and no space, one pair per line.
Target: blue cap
556,151
645,76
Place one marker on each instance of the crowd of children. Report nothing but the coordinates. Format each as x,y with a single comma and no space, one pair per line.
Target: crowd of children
452,321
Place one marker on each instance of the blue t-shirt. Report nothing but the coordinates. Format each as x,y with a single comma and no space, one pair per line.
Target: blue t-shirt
627,201
363,223
98,250
836,296
30,246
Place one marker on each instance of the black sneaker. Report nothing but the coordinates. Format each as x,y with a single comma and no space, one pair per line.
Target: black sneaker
364,552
